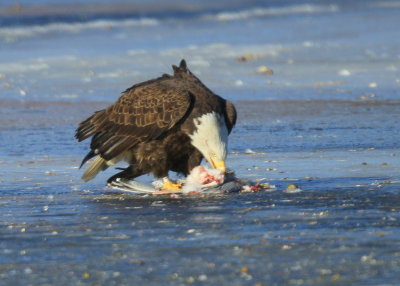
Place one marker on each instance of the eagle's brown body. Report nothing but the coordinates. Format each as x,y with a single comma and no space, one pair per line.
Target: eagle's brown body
150,124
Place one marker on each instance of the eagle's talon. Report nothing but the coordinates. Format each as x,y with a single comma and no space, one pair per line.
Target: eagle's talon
170,186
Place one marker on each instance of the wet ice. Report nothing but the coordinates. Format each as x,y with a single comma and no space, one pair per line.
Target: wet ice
326,121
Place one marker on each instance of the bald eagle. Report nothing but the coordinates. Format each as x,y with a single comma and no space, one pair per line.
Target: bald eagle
165,124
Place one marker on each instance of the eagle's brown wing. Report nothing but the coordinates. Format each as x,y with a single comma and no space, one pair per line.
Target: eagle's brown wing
230,113
142,113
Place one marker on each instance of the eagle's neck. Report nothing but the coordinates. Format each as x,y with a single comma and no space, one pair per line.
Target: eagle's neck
210,136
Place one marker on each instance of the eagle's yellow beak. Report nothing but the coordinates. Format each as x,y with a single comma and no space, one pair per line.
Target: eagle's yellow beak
219,165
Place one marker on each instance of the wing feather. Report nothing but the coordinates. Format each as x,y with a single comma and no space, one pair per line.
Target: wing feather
143,112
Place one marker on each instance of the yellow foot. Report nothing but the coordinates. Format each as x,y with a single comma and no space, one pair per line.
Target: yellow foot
170,186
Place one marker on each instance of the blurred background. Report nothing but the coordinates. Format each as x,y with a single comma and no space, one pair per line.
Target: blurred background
92,50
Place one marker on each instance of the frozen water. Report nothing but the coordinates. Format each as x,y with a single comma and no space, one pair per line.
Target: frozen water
326,119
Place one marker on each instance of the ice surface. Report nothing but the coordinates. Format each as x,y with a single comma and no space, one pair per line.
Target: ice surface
327,121
306,44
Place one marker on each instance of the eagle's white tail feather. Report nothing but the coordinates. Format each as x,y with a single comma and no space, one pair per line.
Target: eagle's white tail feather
98,164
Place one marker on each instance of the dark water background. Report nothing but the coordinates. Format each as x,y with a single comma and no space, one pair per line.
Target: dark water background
326,120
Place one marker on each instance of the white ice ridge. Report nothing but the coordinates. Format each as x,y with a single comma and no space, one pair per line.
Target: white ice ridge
274,11
37,30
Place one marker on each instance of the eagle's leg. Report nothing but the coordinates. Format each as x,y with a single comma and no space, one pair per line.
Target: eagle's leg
168,185
161,165
128,173
193,161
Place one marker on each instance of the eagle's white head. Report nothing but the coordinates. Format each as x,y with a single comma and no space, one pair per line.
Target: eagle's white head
211,139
